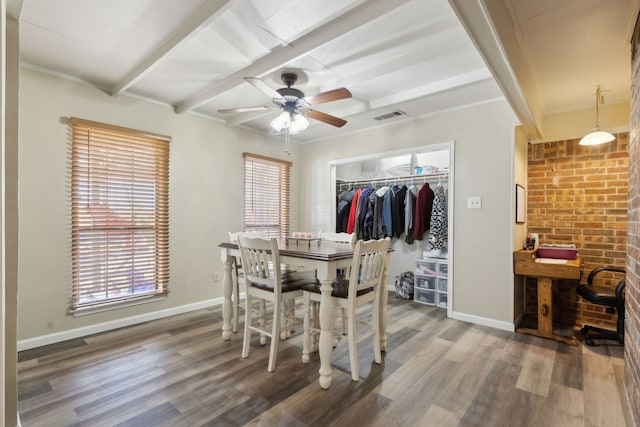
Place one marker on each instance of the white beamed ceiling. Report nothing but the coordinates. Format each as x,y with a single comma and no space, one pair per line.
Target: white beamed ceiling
416,56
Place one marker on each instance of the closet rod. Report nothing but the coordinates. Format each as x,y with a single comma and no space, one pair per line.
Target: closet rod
415,178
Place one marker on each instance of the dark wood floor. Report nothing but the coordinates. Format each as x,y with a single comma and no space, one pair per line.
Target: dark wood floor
436,372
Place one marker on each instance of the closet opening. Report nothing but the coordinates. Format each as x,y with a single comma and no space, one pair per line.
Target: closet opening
392,176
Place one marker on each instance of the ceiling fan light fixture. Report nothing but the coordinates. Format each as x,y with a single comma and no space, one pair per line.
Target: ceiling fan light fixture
597,136
298,124
282,121
294,122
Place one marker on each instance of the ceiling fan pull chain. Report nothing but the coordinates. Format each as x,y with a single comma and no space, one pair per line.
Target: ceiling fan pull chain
286,141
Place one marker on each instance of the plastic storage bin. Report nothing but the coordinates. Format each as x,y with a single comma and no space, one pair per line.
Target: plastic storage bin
425,267
442,269
425,282
424,296
442,284
442,299
431,283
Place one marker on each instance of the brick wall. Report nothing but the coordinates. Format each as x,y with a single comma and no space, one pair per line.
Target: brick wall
632,291
579,194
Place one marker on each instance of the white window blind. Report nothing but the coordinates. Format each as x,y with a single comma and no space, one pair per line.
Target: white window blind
266,195
119,214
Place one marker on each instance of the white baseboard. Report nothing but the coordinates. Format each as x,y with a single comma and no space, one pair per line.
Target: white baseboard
114,324
133,320
484,321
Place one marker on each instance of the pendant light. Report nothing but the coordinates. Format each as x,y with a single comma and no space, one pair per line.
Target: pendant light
597,136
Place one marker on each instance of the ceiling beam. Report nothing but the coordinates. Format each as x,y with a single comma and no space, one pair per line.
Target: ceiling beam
433,88
241,118
210,11
409,58
490,28
281,55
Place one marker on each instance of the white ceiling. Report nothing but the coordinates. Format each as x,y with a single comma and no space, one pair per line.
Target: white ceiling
572,46
413,56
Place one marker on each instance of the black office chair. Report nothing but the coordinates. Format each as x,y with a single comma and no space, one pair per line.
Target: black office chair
611,298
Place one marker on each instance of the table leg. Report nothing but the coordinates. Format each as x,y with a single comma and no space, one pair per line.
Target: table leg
545,306
227,286
325,347
545,314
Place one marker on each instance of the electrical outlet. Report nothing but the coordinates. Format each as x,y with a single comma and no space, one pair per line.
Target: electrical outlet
216,276
474,202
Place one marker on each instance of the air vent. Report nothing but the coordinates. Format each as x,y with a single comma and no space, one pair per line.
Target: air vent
390,115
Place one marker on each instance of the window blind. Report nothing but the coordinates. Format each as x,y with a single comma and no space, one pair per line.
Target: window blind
266,195
119,214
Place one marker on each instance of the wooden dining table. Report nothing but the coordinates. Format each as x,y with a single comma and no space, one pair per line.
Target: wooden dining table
326,258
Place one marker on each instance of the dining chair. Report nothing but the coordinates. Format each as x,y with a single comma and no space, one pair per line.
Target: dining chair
361,286
266,281
338,237
237,276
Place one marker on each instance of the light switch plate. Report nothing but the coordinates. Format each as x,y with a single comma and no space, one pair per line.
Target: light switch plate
474,202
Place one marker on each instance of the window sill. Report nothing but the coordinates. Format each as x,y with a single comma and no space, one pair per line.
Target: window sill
117,305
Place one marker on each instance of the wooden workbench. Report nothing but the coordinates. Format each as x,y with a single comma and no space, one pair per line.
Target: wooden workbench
524,263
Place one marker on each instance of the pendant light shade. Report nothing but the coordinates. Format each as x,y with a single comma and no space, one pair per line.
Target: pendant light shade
597,136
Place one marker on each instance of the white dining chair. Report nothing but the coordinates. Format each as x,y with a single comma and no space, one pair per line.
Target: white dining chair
338,237
237,276
266,281
361,286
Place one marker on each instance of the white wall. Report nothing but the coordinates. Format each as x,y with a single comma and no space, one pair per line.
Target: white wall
613,118
483,239
206,185
206,168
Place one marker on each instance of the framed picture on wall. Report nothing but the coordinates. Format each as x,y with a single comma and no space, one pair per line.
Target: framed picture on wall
521,204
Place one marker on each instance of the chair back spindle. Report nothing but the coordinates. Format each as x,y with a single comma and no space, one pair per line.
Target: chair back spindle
368,266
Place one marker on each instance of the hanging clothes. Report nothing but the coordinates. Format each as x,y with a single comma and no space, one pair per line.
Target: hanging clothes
367,231
409,207
343,209
397,209
353,211
363,209
387,220
422,215
391,211
378,231
439,224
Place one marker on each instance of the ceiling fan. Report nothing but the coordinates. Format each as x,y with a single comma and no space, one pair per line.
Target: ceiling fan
294,104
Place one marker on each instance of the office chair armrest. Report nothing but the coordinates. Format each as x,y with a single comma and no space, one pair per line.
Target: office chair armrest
620,290
601,269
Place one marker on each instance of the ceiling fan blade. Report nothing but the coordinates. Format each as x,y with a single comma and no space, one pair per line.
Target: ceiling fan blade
328,96
259,84
327,118
244,109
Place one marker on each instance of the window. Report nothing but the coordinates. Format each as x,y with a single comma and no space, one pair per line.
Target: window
119,214
266,195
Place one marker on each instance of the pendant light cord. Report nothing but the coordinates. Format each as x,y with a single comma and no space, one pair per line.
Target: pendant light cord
597,106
